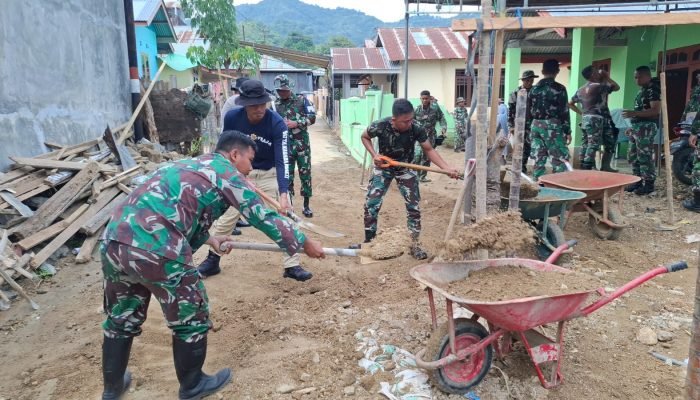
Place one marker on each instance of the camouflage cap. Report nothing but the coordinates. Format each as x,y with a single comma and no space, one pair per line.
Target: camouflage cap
282,82
529,74
460,100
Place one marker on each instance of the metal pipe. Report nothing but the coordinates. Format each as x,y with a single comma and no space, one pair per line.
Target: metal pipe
405,61
134,83
579,6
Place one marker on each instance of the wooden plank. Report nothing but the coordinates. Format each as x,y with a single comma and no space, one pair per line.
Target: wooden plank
124,188
54,206
15,174
61,177
71,150
50,164
88,247
100,219
104,199
16,203
577,21
53,230
127,129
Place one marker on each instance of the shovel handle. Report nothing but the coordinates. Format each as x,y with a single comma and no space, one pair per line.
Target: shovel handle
390,162
329,251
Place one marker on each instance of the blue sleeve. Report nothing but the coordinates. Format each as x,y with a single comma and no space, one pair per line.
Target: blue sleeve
228,120
280,146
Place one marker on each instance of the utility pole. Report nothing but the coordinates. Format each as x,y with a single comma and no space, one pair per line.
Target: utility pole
405,60
134,83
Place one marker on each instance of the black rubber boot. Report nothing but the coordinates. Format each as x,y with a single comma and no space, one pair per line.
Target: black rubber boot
633,187
369,235
242,223
307,211
189,359
236,232
297,273
586,166
115,357
210,265
693,204
646,188
417,252
606,162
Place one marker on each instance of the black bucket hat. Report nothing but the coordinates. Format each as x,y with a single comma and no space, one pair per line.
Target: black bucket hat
252,92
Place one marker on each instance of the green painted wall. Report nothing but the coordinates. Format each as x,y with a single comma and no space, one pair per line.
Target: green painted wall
618,63
184,78
582,56
513,56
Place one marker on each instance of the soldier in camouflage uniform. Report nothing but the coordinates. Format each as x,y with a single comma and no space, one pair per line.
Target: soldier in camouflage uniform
460,115
593,97
147,250
528,78
397,136
645,116
299,115
551,128
428,114
693,106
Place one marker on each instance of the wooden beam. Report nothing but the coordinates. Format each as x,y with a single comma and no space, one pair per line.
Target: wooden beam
93,225
578,21
51,164
53,230
16,203
88,247
28,195
127,129
567,43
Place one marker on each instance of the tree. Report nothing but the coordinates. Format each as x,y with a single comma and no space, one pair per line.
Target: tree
334,41
215,21
299,41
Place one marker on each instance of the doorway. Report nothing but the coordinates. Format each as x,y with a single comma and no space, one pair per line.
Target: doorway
676,88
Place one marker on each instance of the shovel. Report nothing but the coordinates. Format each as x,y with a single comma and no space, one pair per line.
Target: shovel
301,222
390,162
329,251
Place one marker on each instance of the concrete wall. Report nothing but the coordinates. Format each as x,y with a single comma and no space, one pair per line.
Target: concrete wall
436,76
63,73
147,49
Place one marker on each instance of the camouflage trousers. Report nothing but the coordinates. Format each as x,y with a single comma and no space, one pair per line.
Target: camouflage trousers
420,158
592,127
548,140
640,150
300,155
610,134
132,275
696,171
378,186
460,138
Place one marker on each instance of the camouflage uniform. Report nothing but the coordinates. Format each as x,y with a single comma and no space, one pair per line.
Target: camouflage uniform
550,125
427,119
149,241
460,115
400,147
694,106
593,99
295,109
643,132
527,136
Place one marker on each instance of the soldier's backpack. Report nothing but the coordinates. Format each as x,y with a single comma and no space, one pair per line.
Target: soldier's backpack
199,101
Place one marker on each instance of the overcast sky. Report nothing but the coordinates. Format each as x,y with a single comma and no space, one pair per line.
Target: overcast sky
386,10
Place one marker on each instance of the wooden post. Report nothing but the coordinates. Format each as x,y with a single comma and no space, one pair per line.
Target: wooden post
692,377
482,93
667,151
493,162
520,111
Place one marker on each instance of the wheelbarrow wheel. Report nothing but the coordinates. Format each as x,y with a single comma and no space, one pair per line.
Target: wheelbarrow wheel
601,229
555,237
459,377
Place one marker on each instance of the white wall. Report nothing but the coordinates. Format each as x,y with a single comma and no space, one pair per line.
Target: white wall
437,76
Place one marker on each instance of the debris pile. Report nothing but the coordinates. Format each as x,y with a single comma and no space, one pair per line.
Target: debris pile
48,199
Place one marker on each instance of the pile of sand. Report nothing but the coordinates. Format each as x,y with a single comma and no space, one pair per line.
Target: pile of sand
501,232
528,190
514,282
389,243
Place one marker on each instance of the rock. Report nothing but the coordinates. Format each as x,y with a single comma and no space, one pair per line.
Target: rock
349,390
647,336
315,358
346,304
348,379
285,388
599,274
47,269
664,336
305,377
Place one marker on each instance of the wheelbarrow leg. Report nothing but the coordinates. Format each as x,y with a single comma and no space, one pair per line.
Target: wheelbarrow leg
451,325
433,313
543,350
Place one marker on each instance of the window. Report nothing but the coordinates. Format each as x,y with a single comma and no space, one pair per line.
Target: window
422,39
696,56
463,85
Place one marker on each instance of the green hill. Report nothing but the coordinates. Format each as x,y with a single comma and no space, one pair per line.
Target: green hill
271,21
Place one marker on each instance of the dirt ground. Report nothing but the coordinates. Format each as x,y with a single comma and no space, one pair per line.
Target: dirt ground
280,335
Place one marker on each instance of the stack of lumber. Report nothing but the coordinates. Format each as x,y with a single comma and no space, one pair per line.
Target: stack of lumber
48,199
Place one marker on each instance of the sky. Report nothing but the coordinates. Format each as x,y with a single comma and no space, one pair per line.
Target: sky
386,10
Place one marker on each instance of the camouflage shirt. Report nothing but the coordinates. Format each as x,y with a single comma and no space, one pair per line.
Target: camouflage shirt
460,115
647,94
593,97
513,103
293,109
398,145
170,214
693,106
430,117
550,101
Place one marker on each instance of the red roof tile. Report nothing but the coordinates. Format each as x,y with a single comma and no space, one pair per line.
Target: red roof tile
441,44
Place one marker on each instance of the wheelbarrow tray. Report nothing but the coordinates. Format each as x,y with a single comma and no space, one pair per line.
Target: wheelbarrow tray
593,183
536,208
514,315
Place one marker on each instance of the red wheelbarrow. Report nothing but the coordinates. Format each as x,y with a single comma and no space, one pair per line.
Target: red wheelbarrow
599,186
465,351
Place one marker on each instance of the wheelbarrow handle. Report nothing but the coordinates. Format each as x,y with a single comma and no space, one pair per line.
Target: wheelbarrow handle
559,250
673,267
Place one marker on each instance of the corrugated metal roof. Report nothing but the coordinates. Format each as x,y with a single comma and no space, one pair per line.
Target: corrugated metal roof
424,43
145,10
153,13
361,59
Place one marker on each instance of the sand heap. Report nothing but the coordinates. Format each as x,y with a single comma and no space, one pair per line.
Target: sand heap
389,243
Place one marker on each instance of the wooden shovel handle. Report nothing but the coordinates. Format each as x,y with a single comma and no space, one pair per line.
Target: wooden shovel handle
390,162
